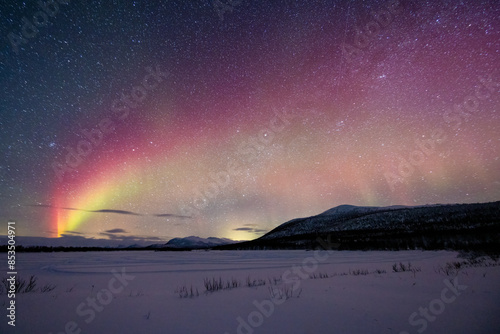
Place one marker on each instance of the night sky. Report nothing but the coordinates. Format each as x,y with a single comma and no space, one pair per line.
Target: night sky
162,119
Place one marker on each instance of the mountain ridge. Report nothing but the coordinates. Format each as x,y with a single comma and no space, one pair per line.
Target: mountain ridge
195,242
359,227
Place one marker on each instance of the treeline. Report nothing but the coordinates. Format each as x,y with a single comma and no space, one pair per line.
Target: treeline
484,239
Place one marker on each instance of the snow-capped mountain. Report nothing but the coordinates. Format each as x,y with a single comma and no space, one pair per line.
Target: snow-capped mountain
349,217
193,242
439,226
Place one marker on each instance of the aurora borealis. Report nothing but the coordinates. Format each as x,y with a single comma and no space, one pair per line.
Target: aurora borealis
229,125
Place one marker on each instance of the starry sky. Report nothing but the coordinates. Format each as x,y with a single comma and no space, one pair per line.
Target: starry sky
170,118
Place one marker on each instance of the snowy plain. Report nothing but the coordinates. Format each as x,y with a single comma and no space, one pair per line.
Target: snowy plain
141,292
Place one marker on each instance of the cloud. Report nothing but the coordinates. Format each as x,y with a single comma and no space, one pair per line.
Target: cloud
112,240
260,231
121,212
73,232
116,230
112,236
251,228
170,215
130,239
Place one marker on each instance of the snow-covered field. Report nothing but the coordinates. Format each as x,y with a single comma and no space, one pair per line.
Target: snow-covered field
138,292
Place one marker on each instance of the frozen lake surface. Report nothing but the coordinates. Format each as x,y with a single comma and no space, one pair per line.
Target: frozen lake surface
349,292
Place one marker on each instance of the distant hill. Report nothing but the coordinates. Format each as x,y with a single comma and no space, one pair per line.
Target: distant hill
78,243
193,242
451,226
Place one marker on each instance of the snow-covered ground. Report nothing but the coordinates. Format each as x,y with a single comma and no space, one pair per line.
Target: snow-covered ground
138,292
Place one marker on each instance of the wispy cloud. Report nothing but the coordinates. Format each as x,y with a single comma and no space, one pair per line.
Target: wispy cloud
116,230
170,215
73,232
251,228
67,239
130,239
121,212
